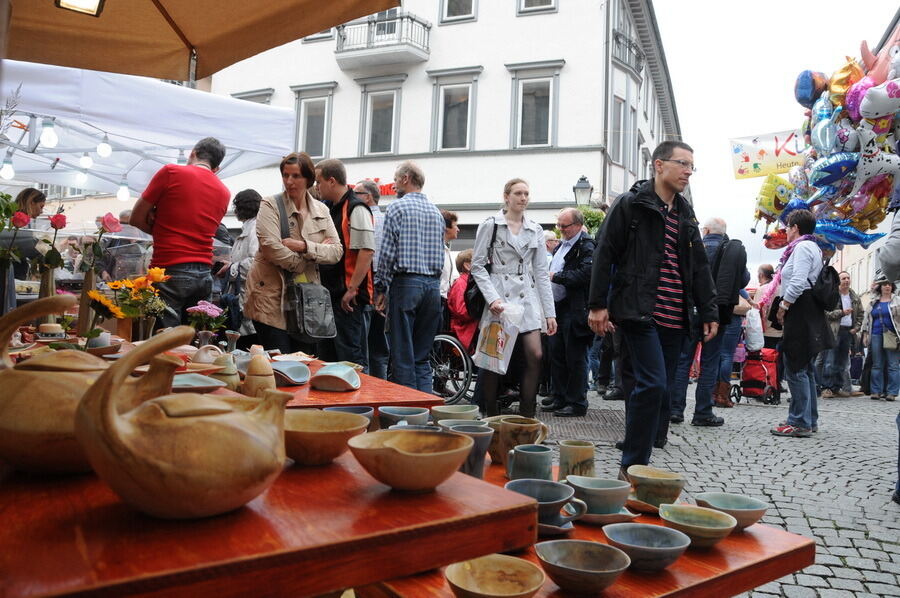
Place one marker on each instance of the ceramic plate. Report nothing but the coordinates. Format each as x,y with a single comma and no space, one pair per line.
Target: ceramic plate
641,506
597,519
290,372
545,529
190,368
298,356
107,350
50,339
22,348
195,383
114,356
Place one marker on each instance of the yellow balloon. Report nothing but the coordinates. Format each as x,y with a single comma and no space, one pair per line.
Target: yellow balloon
772,198
842,79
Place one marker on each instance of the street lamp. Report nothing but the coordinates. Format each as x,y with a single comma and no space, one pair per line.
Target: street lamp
583,190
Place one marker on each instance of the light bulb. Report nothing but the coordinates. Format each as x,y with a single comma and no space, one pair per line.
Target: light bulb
123,194
7,171
104,149
181,159
81,177
86,161
49,138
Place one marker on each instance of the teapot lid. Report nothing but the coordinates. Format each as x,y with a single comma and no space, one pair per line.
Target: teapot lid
67,360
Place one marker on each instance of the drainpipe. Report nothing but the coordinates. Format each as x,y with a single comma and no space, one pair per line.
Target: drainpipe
604,170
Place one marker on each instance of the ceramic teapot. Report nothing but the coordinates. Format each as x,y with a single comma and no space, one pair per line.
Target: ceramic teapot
182,455
37,414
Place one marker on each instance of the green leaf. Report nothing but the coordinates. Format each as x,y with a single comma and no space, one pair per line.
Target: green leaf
93,333
61,346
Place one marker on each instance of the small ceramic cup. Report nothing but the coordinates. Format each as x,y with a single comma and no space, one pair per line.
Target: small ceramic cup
551,498
515,430
533,461
576,457
474,463
101,340
602,496
449,423
359,410
388,416
440,412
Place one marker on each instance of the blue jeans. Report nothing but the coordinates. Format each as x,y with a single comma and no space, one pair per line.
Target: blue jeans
710,356
836,361
884,359
568,362
678,388
730,340
414,317
594,355
897,487
804,409
650,358
351,343
379,355
189,284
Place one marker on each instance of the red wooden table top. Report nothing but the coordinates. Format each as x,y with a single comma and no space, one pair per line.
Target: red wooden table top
315,530
740,562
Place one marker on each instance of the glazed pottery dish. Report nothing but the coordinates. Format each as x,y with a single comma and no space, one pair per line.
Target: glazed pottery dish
336,377
602,496
195,383
313,437
481,435
655,486
290,373
388,416
576,457
533,461
405,426
414,461
705,527
744,509
580,566
440,412
551,498
650,547
494,575
593,519
449,423
368,412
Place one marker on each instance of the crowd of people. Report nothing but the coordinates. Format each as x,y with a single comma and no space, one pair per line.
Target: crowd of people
632,305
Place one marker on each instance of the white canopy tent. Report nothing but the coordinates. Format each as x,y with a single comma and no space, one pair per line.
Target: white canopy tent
148,123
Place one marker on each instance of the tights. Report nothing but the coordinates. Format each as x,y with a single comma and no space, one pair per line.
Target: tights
531,348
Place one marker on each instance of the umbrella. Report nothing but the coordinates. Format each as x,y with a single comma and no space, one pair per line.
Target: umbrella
168,39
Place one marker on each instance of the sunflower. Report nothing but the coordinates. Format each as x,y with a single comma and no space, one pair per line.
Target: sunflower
116,284
104,306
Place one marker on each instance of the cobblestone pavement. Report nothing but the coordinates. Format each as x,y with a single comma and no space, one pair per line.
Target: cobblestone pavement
834,487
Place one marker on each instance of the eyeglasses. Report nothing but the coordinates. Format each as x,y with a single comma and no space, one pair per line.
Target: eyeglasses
683,163
564,226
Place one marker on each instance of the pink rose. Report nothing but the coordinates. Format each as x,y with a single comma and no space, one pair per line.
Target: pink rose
20,219
110,223
58,221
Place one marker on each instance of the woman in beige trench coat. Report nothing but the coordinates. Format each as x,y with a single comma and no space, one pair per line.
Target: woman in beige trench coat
313,240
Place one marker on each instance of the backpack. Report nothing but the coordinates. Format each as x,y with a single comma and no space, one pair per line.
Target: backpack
824,290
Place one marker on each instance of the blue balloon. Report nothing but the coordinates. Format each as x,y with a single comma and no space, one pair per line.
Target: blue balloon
830,169
840,231
809,86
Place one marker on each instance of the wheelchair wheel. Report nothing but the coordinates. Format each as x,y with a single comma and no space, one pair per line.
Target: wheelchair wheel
452,369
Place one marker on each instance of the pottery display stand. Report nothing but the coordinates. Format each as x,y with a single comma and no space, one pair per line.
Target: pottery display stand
315,530
740,562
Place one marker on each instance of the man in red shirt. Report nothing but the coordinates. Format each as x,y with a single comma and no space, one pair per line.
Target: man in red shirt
182,207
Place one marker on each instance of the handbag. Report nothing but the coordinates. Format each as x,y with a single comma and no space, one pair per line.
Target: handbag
307,305
888,338
473,297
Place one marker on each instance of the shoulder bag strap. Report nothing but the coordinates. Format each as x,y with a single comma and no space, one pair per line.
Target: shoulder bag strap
279,199
490,256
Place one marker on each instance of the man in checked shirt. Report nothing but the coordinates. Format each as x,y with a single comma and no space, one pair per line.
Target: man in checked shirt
650,272
407,281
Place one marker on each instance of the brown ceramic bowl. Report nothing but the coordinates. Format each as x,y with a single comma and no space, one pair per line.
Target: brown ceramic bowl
416,461
655,486
313,437
494,576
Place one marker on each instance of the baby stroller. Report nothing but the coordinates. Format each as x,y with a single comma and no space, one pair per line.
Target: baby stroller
759,378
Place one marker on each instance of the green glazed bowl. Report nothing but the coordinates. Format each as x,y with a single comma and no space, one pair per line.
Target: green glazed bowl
705,527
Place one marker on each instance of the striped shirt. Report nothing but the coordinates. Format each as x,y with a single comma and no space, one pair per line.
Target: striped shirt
412,240
669,310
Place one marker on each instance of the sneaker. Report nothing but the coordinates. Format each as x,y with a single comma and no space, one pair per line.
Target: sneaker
875,397
711,421
891,398
815,429
827,394
786,429
676,419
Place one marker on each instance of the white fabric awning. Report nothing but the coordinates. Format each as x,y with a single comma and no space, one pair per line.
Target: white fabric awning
146,120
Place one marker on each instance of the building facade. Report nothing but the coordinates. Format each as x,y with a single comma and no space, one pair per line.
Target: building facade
477,92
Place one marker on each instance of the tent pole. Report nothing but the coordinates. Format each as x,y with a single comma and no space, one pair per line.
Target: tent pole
192,69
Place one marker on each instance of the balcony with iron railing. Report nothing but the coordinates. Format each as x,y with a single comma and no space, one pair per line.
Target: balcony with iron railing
628,52
379,40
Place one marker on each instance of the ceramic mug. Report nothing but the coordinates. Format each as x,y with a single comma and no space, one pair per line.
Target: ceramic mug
515,430
551,498
474,463
449,423
530,461
576,457
388,416
368,412
602,496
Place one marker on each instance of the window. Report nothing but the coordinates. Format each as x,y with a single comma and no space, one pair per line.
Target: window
380,116
617,128
534,107
260,96
313,112
535,104
635,142
623,21
527,7
384,25
647,88
313,108
454,112
455,11
322,35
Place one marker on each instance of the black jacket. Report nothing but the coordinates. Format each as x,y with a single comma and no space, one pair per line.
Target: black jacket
630,246
575,276
729,265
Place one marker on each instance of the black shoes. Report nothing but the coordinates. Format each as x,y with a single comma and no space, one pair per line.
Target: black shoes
553,406
614,393
711,421
570,411
660,443
547,401
676,419
620,444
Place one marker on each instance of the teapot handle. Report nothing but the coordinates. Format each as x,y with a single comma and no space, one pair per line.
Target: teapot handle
10,322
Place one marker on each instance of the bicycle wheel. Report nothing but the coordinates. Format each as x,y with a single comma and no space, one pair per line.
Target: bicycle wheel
452,369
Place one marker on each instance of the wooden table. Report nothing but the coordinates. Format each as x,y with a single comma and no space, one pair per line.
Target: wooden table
374,392
740,562
317,529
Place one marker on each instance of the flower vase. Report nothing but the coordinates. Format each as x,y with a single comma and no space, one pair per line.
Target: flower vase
232,337
7,288
143,328
85,313
205,337
48,289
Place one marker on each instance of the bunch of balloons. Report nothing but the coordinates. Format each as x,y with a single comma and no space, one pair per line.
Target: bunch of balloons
852,158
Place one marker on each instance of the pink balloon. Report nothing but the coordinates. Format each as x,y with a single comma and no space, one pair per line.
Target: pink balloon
855,96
